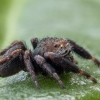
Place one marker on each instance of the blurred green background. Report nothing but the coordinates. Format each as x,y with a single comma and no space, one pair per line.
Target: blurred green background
78,20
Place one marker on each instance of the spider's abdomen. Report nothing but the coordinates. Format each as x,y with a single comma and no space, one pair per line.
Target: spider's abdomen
11,67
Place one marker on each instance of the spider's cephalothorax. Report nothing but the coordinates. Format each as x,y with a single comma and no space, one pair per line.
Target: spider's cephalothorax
51,56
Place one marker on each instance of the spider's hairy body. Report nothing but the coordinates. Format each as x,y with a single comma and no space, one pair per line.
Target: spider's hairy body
51,56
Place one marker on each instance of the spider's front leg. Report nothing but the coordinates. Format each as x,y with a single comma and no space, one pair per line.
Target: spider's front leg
30,67
83,53
67,65
46,67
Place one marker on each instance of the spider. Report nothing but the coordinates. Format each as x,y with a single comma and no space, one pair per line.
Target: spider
52,56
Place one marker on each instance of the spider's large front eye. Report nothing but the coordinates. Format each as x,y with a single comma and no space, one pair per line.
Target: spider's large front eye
56,45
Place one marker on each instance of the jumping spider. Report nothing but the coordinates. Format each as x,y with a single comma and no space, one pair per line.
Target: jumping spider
51,56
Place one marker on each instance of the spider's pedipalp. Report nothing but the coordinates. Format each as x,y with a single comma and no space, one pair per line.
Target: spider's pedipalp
30,67
67,65
48,68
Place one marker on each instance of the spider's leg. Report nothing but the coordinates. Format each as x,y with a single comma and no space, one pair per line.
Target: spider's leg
34,42
67,65
8,58
11,45
48,68
30,67
83,53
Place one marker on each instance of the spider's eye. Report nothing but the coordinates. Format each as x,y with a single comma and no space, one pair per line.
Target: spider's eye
56,45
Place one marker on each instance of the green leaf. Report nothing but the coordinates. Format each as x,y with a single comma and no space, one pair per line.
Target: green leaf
78,20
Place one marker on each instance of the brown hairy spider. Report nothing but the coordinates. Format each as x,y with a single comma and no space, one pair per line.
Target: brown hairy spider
51,56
